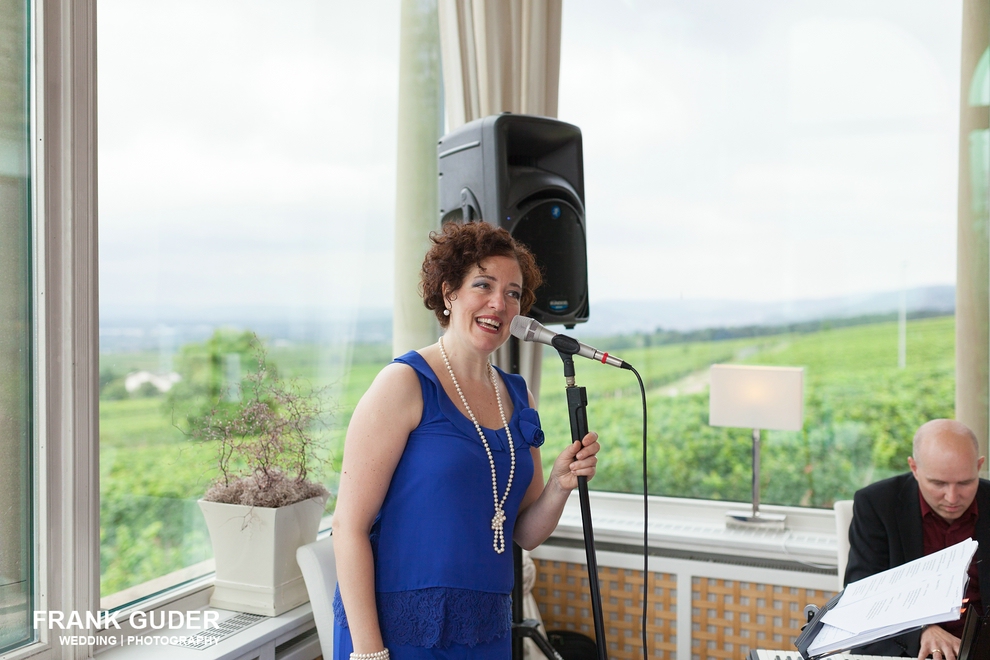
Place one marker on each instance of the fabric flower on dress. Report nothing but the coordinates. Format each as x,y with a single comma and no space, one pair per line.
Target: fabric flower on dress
529,423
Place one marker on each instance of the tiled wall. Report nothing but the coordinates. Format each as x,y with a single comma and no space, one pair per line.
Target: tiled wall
728,617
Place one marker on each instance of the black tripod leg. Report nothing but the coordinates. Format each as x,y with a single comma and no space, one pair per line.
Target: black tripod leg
522,628
529,628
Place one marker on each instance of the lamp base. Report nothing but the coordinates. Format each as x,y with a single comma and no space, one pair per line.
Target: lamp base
763,521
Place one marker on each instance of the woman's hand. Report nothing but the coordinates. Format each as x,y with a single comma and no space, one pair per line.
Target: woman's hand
578,460
544,503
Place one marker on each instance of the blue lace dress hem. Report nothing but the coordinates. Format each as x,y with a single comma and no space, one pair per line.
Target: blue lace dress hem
438,617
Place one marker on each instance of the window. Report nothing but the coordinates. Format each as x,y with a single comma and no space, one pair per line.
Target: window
16,326
246,186
769,183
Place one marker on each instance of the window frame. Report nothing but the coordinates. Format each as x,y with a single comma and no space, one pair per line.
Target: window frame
65,300
65,331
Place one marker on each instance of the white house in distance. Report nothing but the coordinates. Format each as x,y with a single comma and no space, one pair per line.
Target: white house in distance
162,382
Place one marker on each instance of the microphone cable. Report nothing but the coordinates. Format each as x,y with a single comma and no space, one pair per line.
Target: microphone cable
528,329
646,515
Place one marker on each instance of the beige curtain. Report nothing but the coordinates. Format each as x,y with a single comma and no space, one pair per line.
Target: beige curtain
501,56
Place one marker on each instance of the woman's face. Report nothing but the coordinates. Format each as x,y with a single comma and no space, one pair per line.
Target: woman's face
482,308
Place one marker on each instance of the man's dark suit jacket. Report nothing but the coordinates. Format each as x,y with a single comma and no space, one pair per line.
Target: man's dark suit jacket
886,532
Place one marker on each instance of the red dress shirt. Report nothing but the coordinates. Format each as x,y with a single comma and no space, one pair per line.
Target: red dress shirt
940,534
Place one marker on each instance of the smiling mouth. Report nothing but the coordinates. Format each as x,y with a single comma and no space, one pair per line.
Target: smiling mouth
490,324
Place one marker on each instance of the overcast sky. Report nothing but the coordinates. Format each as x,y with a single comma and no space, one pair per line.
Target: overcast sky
247,152
758,150
765,150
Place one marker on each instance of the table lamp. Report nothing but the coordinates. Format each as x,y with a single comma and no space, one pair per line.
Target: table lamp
754,397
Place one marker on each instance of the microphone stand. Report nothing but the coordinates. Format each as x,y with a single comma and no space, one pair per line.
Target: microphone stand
577,409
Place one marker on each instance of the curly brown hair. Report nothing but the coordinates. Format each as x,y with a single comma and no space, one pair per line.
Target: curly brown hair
458,247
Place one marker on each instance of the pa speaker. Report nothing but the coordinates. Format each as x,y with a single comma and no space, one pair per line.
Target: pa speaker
525,174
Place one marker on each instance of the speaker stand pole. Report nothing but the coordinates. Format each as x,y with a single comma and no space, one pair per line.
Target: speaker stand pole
521,627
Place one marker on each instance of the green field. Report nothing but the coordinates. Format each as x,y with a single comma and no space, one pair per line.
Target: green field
152,473
860,414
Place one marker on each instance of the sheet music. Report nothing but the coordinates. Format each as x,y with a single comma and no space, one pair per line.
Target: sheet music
927,590
949,560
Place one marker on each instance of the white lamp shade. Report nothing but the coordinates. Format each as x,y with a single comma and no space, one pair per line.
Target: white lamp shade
757,397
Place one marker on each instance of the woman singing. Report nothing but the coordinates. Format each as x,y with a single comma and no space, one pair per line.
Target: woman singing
441,470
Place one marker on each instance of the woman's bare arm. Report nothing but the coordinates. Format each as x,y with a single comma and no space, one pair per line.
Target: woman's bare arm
376,437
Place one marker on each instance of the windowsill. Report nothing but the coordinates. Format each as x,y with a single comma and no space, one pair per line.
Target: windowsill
685,528
167,587
181,584
677,528
276,632
266,636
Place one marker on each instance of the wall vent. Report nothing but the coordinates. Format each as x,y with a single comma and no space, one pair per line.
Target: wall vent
223,630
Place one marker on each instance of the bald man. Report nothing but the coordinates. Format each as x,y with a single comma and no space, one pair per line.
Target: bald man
940,502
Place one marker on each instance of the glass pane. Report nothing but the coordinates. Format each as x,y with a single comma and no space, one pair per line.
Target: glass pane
767,183
16,485
246,188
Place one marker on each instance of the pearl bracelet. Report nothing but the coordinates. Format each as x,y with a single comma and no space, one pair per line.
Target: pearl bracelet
378,655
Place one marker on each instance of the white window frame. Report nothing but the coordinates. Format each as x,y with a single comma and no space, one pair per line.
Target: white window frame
66,328
66,335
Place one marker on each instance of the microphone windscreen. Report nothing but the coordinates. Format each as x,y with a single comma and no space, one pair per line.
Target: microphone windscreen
520,327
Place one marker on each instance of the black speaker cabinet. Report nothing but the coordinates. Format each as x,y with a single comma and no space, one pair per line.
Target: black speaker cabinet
525,174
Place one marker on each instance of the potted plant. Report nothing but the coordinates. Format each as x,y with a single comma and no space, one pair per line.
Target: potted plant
267,432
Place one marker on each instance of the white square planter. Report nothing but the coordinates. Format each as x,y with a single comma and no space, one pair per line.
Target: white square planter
255,551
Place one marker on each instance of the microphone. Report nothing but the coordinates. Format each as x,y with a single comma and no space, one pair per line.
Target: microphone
528,329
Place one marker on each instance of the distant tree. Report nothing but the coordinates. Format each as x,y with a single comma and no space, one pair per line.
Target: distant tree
107,376
114,390
112,385
212,373
146,390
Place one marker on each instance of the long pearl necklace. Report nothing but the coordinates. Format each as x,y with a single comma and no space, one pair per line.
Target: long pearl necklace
498,520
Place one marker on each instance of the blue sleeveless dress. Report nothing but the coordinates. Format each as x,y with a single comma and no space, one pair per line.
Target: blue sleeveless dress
442,590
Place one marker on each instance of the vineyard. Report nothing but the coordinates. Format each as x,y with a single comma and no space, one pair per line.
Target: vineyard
861,411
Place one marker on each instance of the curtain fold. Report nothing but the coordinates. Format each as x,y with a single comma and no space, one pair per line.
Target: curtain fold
501,56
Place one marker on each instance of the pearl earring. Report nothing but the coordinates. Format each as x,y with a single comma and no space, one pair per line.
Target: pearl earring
446,312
